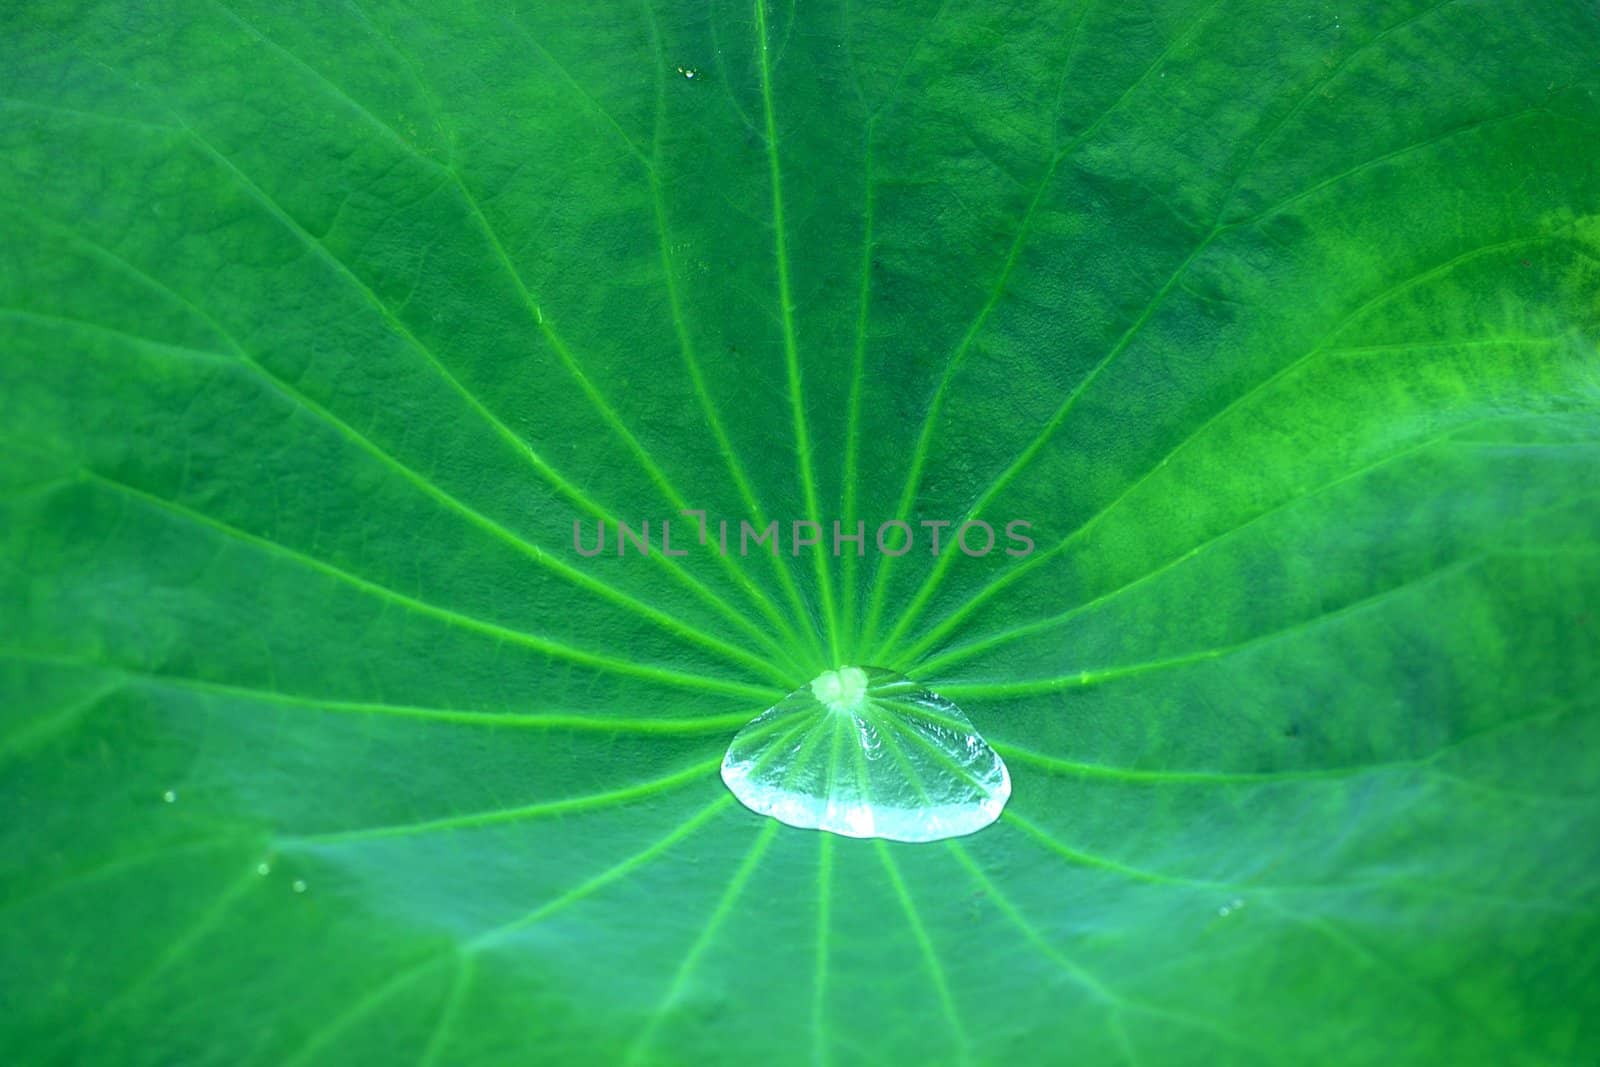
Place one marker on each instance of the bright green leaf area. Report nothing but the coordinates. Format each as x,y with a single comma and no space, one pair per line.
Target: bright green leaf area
320,324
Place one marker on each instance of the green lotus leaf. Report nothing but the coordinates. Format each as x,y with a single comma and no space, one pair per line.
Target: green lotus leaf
1243,357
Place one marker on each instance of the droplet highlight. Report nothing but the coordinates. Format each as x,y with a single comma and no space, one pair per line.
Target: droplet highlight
866,752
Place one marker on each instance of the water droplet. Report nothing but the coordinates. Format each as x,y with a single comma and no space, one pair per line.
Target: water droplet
170,796
263,869
865,752
299,885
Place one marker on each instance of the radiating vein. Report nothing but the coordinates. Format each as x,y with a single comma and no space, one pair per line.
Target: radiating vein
646,461
544,323
113,867
852,442
674,624
668,623
666,726
1387,967
1545,715
1119,1033
1218,229
1262,889
930,585
544,646
702,771
374,998
1097,677
930,417
497,426
791,352
89,116
1081,858
820,971
1330,75
449,1012
1079,974
377,996
612,874
1367,164
713,924
934,664
594,724
646,161
41,728
719,432
930,955
893,93
176,949
921,448
919,933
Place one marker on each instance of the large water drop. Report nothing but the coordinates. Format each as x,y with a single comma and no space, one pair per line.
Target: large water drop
865,752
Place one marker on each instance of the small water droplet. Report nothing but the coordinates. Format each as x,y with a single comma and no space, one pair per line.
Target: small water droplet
299,885
263,869
170,796
865,752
